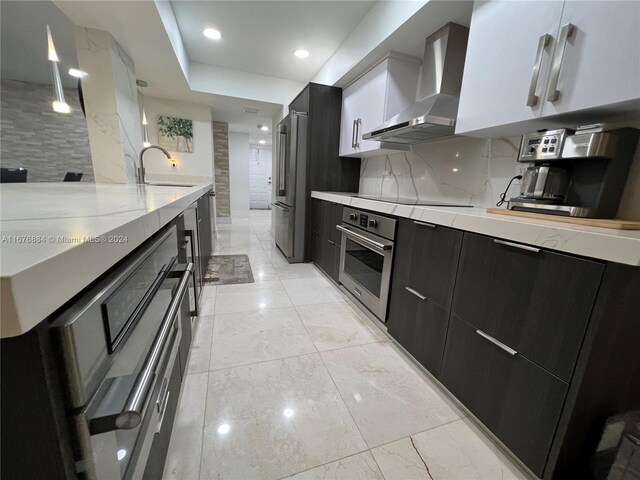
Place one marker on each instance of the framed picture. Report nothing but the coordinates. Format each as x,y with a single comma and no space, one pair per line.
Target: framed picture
175,134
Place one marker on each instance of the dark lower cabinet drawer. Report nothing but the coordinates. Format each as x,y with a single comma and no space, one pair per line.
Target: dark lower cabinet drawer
326,255
517,400
427,258
418,325
536,301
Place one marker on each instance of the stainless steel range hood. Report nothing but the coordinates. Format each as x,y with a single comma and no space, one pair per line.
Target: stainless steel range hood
433,116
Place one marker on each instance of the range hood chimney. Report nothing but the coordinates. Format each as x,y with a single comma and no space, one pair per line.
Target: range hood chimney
433,116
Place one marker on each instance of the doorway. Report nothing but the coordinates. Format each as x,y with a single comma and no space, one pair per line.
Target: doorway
260,178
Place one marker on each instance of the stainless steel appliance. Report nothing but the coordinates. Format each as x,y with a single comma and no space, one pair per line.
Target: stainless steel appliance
290,205
544,182
433,116
366,257
118,348
578,173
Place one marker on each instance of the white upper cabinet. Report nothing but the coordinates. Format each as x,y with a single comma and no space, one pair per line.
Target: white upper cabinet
601,61
528,60
382,92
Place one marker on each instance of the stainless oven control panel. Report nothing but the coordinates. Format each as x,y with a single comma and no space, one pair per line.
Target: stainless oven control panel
542,146
371,222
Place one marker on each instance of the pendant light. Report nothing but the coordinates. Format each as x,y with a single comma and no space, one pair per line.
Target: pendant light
145,131
59,104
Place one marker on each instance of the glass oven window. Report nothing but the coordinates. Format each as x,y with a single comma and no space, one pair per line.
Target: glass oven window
364,266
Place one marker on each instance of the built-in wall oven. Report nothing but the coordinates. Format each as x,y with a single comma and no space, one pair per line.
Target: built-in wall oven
366,257
118,346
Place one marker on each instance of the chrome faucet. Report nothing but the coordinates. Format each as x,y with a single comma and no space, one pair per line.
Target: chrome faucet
141,169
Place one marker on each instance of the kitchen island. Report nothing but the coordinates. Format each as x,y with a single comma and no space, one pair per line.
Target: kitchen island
100,288
58,237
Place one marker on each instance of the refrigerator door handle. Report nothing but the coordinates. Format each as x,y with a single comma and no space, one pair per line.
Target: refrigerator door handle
282,160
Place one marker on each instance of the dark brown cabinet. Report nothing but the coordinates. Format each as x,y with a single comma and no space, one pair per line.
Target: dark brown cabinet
419,325
536,301
516,399
325,238
427,258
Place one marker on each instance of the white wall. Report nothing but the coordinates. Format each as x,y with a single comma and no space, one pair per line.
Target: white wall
239,174
191,167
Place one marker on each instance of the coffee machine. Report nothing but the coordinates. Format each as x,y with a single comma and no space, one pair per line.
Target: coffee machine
575,173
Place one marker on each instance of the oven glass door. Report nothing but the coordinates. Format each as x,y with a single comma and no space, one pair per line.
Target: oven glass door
364,265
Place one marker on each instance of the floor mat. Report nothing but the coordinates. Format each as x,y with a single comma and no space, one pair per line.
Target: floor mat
228,270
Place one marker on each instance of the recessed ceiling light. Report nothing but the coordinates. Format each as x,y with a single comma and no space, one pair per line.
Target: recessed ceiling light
262,142
74,72
264,128
212,33
301,53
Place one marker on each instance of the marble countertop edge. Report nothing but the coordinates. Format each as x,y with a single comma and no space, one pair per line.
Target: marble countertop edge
620,246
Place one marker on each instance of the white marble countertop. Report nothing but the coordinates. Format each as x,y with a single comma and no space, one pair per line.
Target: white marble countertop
621,246
47,254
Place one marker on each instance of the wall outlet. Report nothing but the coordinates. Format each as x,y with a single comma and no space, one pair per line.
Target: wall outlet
520,168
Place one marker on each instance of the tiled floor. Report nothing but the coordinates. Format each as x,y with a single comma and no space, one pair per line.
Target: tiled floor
288,379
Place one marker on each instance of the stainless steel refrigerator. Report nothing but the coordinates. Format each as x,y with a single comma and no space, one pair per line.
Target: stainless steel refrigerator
291,172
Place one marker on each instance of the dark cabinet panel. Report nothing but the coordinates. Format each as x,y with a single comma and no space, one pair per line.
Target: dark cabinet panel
537,302
204,232
317,215
325,238
332,217
517,400
427,258
418,325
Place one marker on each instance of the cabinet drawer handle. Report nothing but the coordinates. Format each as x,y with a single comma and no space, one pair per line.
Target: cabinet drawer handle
358,123
497,343
532,98
565,33
331,242
416,293
425,224
516,245
353,135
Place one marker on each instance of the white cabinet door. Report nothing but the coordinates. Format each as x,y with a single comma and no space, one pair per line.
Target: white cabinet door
504,41
369,102
601,63
347,125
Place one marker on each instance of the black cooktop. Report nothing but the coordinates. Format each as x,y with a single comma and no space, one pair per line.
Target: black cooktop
412,201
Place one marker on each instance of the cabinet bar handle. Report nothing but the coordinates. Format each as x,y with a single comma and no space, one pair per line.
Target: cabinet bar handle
331,242
532,98
416,293
565,33
497,343
353,135
358,123
425,224
516,245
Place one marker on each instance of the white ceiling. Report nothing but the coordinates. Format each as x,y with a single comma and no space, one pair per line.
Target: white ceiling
23,39
244,123
260,36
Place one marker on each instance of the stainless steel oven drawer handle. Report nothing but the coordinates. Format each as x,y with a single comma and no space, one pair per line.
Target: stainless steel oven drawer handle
497,343
372,243
280,207
516,245
134,407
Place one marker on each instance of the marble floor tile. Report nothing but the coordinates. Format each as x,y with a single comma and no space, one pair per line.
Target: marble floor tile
251,337
263,272
386,396
251,296
208,301
201,346
183,456
273,419
337,325
297,270
361,466
457,450
313,290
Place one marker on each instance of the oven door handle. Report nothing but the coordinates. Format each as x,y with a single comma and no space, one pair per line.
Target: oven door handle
381,247
134,408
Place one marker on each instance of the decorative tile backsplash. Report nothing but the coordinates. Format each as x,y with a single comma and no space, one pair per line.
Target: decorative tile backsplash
221,163
33,136
464,170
